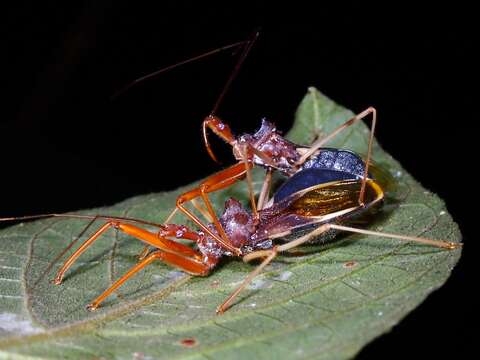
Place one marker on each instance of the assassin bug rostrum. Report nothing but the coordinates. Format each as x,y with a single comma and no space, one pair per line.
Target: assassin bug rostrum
318,195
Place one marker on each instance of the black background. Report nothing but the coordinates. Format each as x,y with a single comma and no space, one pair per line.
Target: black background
65,145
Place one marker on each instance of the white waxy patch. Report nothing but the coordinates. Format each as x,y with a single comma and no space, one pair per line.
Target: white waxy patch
12,323
442,212
259,284
398,174
172,275
168,277
140,356
284,276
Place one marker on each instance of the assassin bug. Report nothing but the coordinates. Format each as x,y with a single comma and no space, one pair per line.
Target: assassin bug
318,198
266,148
313,204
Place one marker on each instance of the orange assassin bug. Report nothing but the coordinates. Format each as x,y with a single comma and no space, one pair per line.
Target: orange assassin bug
318,199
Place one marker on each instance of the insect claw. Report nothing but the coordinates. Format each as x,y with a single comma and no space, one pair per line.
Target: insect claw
91,307
453,245
220,310
57,280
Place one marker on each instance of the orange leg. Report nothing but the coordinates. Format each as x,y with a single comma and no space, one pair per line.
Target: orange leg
221,180
188,265
218,181
219,128
156,240
197,206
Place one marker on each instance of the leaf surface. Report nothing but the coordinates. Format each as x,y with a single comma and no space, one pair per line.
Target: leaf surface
322,302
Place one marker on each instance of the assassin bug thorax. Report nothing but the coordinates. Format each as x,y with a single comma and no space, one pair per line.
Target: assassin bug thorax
325,189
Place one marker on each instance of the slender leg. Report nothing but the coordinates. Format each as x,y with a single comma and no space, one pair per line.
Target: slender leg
170,230
437,243
319,143
186,264
219,181
226,304
202,210
264,193
145,252
249,182
269,255
220,129
152,239
369,154
64,251
197,206
325,227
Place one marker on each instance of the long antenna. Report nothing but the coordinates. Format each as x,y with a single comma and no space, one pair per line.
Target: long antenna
173,66
248,46
78,216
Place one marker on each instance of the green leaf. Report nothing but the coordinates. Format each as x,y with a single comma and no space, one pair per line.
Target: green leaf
320,302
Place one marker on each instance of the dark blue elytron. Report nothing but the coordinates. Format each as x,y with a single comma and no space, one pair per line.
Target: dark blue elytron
329,165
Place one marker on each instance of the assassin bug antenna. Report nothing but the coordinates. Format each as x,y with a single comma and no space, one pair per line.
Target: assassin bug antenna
220,128
173,66
248,46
